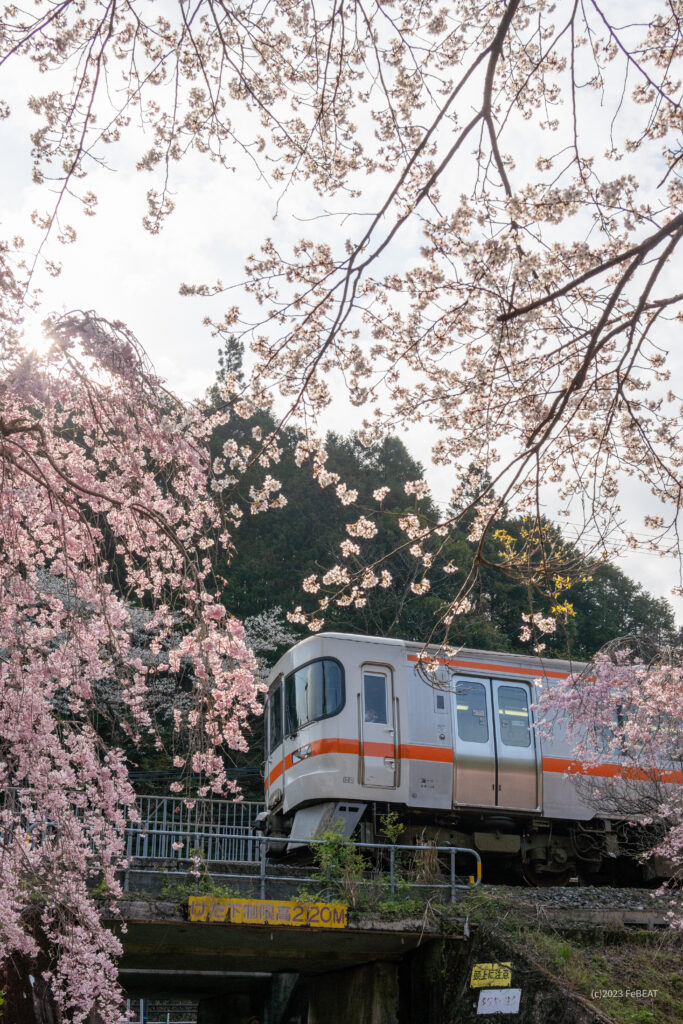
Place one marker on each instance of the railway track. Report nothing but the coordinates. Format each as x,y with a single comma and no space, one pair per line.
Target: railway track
607,906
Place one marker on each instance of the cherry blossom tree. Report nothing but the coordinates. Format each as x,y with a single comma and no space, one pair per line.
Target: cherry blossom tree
626,709
499,214
500,205
266,634
108,526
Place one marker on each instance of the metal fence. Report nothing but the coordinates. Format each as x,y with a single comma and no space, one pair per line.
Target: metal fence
391,872
169,828
162,1011
173,828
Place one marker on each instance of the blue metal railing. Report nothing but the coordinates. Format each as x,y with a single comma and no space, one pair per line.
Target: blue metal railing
254,854
171,828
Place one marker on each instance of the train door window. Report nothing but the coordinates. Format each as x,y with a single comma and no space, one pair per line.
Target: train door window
440,704
375,699
513,715
607,737
275,718
473,726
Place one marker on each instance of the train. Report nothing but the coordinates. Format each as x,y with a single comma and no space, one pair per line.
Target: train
355,727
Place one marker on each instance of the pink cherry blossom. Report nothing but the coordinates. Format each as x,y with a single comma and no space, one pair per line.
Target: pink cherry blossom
105,517
628,712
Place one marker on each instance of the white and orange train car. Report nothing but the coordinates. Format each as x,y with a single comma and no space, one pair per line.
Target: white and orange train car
354,729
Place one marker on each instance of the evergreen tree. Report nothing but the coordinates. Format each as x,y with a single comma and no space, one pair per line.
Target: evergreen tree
276,550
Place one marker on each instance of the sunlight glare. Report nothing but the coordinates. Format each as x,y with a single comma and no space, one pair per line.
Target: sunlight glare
34,337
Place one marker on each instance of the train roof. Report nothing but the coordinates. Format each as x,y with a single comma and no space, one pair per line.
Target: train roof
473,658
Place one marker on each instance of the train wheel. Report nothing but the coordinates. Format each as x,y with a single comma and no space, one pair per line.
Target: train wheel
545,879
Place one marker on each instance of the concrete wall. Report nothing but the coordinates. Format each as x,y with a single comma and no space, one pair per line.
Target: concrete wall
367,994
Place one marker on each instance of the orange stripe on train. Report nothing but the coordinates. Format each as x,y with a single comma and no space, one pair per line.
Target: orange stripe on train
416,753
505,669
444,755
336,745
611,771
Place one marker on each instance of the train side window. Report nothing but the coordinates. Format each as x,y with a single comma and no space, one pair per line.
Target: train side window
513,716
275,719
470,699
375,699
440,702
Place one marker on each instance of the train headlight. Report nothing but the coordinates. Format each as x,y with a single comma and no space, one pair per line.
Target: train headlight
302,753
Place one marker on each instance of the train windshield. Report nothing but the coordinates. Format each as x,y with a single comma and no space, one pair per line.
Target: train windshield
313,692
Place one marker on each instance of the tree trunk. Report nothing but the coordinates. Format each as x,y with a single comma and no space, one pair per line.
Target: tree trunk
27,999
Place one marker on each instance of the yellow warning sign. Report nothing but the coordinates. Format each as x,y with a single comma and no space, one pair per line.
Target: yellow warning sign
491,975
226,910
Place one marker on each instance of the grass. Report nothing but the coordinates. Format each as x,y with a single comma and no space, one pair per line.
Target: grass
618,963
586,960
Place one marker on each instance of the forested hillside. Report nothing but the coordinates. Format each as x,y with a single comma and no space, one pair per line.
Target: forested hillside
277,550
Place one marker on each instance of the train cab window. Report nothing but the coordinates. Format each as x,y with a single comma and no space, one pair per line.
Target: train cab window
513,716
375,698
275,719
473,726
314,691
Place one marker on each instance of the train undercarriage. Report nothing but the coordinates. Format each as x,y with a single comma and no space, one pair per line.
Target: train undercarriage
514,849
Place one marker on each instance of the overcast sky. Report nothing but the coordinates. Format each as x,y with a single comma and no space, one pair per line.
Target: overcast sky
124,273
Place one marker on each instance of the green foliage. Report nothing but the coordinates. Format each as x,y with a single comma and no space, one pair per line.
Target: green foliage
340,868
198,881
101,890
181,890
615,963
610,605
343,874
400,906
391,826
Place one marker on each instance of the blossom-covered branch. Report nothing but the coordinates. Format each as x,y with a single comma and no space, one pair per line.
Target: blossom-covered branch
107,527
626,709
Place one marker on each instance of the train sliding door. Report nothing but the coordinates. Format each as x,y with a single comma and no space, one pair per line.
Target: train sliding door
516,747
495,758
378,727
475,748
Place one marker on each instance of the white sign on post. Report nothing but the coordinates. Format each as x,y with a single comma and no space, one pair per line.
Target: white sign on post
499,1000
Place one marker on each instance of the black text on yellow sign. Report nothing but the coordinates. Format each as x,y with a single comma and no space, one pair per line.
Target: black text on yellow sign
491,975
225,910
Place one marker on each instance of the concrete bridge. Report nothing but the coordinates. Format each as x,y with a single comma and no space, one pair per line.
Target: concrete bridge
373,971
243,973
